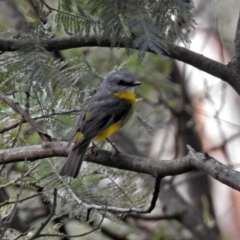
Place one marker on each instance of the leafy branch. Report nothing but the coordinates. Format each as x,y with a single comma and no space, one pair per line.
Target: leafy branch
227,73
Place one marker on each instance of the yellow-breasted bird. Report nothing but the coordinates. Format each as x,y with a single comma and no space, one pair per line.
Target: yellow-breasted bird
107,111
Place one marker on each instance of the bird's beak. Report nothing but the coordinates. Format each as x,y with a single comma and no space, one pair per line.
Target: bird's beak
136,83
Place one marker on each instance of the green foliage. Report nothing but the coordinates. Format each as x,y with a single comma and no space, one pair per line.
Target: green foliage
58,92
14,234
46,88
53,92
95,185
149,23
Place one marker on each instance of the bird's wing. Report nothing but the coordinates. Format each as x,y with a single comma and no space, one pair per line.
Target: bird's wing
99,116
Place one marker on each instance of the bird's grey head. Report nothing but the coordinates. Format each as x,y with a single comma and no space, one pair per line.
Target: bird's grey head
120,81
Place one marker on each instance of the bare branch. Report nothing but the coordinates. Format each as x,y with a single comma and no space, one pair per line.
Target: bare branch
20,200
237,41
128,162
153,218
35,152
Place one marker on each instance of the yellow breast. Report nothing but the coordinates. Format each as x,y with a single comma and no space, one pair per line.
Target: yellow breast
108,132
128,96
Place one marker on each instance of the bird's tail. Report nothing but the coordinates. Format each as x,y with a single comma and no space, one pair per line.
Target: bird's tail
74,161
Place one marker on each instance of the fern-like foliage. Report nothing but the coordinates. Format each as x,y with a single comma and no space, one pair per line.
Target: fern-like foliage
54,91
46,88
95,185
14,234
148,23
75,22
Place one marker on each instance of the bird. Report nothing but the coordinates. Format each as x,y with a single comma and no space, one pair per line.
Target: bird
107,111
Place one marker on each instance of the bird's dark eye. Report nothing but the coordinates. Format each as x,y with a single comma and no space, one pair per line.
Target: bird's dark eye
121,82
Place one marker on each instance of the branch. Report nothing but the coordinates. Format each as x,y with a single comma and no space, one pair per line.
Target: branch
7,202
35,152
17,222
79,235
160,168
16,124
91,207
44,224
153,218
224,72
17,108
131,209
237,41
19,178
7,220
167,200
174,204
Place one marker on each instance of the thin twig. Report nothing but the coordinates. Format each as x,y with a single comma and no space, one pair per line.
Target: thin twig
89,207
52,212
18,133
9,218
113,145
16,107
7,202
153,218
19,178
74,236
14,125
23,234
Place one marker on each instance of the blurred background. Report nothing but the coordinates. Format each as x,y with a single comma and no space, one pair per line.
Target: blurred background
177,105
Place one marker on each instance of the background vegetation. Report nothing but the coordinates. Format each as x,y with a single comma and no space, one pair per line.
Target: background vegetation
55,54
